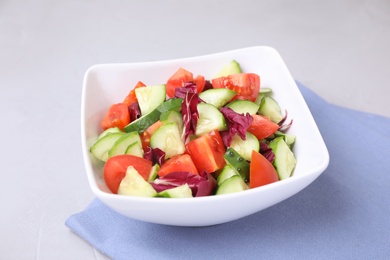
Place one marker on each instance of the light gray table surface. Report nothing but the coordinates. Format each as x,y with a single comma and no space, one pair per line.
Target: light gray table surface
339,49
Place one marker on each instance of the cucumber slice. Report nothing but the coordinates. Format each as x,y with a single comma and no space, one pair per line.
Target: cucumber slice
110,131
171,104
210,118
173,116
288,138
183,191
245,147
227,172
135,149
237,162
101,148
263,92
285,161
217,97
133,184
150,97
233,67
168,139
153,172
231,185
121,145
271,109
243,106
142,123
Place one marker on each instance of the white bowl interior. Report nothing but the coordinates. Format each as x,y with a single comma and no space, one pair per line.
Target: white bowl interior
109,83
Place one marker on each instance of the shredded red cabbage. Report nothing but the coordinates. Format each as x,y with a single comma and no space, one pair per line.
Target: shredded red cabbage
155,155
236,123
201,185
267,152
135,111
188,87
189,108
282,126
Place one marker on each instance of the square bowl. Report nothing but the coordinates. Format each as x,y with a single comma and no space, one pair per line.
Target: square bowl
105,84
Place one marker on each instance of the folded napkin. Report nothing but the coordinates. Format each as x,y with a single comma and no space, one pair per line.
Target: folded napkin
344,214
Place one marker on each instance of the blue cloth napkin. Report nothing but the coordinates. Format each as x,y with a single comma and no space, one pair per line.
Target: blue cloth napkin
344,214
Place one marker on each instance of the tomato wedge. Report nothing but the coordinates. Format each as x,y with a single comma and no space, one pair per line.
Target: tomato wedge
117,116
131,97
207,152
200,82
115,169
182,76
247,85
178,79
262,127
262,172
178,163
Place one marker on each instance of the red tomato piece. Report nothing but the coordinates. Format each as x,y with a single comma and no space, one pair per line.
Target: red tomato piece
207,152
200,83
115,169
131,97
178,79
247,85
262,172
147,134
117,116
178,163
262,127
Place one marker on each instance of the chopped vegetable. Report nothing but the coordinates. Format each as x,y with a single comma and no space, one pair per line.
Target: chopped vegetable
115,169
116,116
202,184
174,140
237,124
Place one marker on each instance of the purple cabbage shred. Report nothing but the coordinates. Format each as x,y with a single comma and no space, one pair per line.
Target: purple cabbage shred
155,155
135,111
236,123
267,152
201,185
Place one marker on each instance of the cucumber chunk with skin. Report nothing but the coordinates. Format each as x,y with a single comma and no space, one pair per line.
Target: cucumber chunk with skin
102,147
262,93
245,147
227,172
183,191
153,172
150,97
168,139
121,145
271,109
284,161
135,149
110,131
243,107
217,97
142,123
173,116
232,185
238,163
170,104
133,184
210,118
233,67
288,138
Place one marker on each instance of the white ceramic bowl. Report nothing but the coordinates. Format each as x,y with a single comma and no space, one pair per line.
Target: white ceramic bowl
106,84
